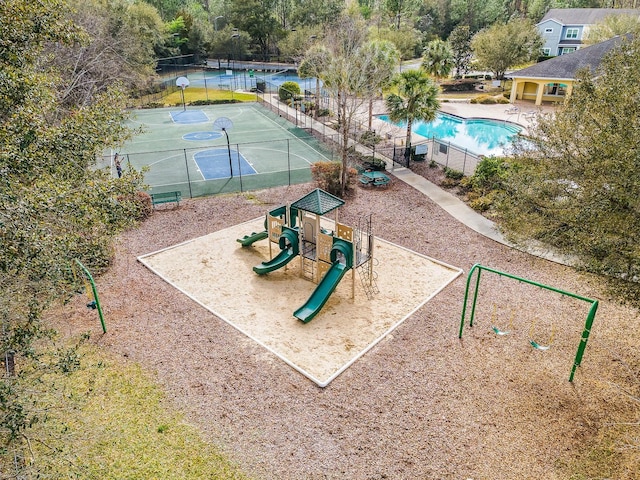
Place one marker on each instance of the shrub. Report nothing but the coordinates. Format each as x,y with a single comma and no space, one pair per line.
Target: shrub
288,91
327,176
482,204
370,138
453,174
461,85
490,174
484,100
219,101
145,206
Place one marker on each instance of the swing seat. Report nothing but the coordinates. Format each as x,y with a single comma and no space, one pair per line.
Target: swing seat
537,346
497,331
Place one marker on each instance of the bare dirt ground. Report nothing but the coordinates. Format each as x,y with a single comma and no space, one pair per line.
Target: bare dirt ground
422,403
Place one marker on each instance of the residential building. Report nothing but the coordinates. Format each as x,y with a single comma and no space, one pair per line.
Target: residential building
552,80
564,29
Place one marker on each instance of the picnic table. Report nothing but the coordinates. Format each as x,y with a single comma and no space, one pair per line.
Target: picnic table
376,178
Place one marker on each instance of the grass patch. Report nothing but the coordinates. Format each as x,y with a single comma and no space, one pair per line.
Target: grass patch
200,94
108,420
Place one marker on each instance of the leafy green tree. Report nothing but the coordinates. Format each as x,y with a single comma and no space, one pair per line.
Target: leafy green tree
257,18
611,26
502,46
296,43
124,36
316,13
406,40
55,205
416,100
384,59
460,43
578,188
437,59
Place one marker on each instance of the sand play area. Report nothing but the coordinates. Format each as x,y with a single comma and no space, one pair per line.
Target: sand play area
216,271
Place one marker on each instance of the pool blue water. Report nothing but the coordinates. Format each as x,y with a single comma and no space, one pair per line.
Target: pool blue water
480,136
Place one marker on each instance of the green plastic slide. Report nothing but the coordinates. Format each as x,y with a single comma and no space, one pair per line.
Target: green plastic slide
288,242
248,240
329,282
322,293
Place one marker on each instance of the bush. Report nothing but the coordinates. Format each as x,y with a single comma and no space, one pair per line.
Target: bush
484,100
288,90
327,176
370,138
453,174
461,85
490,174
219,101
145,206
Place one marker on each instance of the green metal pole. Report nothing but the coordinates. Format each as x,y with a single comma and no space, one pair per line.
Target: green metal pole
95,294
585,337
466,296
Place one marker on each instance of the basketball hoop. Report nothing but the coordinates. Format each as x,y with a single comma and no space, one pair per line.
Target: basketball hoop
183,82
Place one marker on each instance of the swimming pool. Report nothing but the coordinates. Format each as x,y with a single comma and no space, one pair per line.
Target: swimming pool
478,135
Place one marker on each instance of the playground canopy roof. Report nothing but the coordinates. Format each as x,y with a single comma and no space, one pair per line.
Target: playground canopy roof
318,202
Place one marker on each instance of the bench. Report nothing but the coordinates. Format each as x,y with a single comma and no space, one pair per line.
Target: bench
377,179
166,197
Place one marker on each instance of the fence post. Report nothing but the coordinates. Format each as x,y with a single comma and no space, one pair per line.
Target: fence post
239,166
288,162
464,161
186,165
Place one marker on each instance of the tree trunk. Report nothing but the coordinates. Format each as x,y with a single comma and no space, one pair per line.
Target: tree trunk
315,111
408,141
344,128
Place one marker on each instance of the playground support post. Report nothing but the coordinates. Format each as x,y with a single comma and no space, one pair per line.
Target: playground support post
588,322
95,294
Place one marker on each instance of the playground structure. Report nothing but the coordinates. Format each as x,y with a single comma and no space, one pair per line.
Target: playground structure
538,346
327,249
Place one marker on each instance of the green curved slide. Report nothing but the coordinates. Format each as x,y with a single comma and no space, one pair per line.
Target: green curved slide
289,250
248,240
329,282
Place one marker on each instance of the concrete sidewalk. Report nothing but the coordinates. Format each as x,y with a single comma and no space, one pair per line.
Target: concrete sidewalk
472,219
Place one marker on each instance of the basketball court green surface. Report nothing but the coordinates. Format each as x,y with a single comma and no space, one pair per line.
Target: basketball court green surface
210,149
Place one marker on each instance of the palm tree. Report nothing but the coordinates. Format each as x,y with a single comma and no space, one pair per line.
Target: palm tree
382,56
437,59
416,100
314,64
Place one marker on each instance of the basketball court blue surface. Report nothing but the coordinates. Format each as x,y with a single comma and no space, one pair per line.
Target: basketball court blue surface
214,163
188,117
200,136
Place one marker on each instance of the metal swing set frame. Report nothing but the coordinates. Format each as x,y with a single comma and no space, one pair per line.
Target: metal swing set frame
478,269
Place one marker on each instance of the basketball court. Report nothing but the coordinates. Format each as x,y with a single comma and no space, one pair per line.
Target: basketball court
184,148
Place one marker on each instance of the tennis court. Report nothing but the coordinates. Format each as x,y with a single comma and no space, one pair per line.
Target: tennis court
185,149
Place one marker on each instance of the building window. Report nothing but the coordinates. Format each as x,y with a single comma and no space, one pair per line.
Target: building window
564,50
572,33
558,89
546,52
548,30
